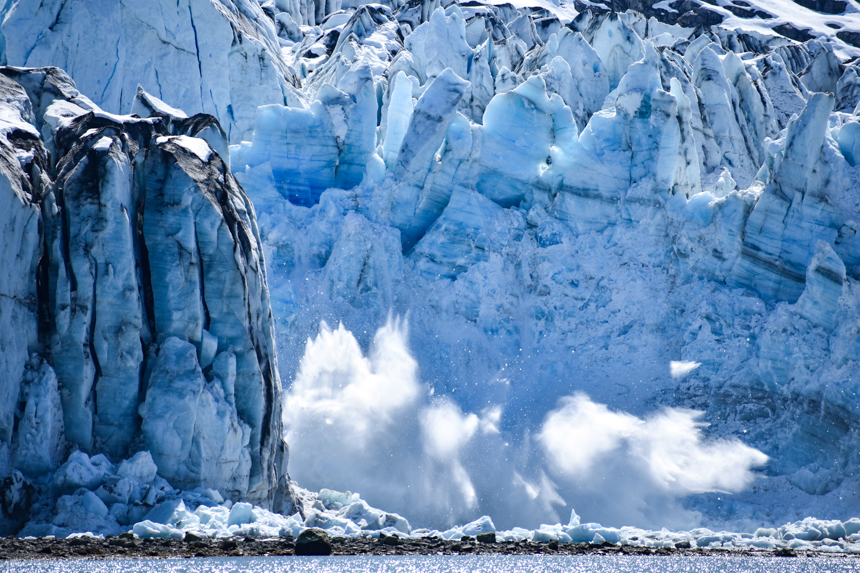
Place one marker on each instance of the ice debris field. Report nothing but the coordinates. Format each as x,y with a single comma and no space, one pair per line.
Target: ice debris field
517,260
203,512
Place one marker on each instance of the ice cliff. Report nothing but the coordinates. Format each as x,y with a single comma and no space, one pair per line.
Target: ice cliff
659,211
579,205
135,310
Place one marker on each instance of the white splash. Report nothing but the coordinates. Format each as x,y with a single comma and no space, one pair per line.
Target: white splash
364,422
679,368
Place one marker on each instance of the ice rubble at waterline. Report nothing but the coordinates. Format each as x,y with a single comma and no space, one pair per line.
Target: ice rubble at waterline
203,512
541,201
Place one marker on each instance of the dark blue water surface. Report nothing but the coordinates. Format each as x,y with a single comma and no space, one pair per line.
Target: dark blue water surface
446,564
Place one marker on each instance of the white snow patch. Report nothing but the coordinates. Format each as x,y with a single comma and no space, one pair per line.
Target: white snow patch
103,144
195,145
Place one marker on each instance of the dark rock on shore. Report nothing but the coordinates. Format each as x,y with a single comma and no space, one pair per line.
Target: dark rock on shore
489,537
313,542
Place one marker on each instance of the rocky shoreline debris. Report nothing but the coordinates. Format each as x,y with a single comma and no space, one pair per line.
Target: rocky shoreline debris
128,546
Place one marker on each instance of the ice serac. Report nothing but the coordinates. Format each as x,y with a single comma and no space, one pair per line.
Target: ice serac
439,44
618,46
207,270
416,204
589,83
793,212
512,150
719,99
93,285
220,58
630,158
138,269
190,426
471,229
825,278
327,144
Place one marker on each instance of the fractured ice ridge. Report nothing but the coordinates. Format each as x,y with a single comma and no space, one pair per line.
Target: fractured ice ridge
572,202
130,496
135,310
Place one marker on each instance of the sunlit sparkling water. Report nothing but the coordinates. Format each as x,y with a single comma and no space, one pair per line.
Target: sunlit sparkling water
447,564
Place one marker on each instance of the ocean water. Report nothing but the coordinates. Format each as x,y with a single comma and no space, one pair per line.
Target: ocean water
447,564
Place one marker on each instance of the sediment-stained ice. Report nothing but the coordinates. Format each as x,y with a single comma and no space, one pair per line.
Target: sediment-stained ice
137,267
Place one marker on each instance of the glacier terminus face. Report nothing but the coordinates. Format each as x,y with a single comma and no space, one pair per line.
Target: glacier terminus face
520,261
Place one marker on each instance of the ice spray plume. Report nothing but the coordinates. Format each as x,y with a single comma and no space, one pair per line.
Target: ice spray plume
367,424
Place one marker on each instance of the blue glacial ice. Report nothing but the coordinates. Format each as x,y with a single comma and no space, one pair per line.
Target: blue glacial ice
508,262
568,238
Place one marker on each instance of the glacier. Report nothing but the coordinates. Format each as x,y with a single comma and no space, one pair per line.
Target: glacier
511,259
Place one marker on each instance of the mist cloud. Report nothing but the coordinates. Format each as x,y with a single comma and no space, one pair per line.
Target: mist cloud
669,445
366,423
